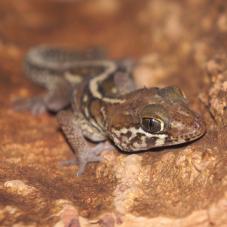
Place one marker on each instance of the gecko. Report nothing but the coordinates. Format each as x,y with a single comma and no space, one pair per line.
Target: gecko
96,100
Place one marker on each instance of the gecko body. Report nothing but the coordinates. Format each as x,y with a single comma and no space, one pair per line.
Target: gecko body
106,106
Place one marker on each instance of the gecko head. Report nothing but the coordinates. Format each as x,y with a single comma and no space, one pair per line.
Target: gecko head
162,118
168,120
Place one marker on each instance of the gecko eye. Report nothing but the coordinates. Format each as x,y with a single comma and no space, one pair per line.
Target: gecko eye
151,125
154,118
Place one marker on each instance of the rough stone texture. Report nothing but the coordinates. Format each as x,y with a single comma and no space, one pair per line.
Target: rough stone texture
217,94
175,42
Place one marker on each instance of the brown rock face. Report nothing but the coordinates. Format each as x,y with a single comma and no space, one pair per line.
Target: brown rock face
181,43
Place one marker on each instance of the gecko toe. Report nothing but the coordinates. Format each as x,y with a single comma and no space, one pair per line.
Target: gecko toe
69,162
81,169
90,155
35,105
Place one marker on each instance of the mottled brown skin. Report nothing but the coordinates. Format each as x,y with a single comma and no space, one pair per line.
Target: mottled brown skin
173,110
134,120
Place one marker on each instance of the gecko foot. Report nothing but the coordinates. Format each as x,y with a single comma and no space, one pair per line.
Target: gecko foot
36,105
92,154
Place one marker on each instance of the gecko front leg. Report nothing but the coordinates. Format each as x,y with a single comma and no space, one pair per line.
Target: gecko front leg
84,152
123,78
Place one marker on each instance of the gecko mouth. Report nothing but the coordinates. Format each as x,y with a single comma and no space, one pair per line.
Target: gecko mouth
183,139
198,131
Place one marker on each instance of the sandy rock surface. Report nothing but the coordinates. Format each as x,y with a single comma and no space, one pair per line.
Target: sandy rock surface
180,43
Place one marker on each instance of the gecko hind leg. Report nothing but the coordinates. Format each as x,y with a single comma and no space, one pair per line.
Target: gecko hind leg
84,152
57,98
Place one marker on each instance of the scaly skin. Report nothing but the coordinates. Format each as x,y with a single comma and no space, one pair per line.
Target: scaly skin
106,106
